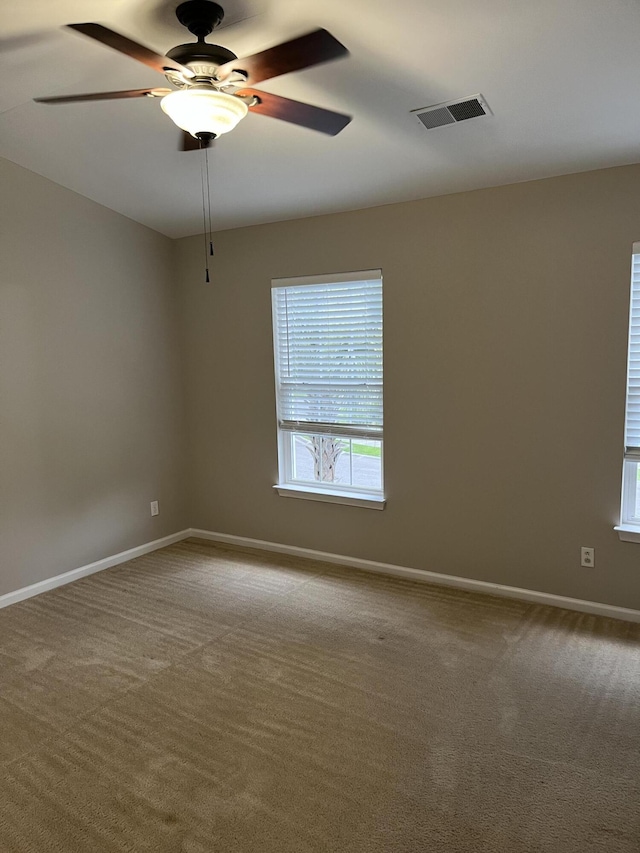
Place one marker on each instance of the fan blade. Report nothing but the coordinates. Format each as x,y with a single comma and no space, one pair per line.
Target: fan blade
296,112
190,143
130,48
312,49
106,96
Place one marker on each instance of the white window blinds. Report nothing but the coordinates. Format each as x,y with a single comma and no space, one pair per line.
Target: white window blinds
328,353
632,420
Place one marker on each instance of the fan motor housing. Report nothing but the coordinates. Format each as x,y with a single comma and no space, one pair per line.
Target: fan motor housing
201,52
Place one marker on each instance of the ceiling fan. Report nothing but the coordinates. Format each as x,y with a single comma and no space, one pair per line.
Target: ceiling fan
211,93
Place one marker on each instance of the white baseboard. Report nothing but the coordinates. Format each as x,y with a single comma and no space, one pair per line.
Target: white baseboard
90,569
595,607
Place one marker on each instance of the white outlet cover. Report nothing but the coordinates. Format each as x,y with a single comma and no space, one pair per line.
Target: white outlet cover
588,557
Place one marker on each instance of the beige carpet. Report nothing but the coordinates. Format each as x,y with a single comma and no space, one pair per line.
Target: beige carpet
208,700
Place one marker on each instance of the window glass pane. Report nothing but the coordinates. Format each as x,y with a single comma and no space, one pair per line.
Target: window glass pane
345,462
302,467
320,459
631,492
367,463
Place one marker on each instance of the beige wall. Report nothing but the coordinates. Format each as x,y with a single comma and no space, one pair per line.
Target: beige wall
91,420
505,338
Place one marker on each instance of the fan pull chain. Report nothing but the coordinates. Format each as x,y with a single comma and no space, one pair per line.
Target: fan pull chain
206,158
204,219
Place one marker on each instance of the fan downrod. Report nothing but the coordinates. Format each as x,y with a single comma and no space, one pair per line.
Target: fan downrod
200,17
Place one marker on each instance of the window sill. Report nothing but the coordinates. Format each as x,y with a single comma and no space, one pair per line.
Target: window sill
628,532
347,498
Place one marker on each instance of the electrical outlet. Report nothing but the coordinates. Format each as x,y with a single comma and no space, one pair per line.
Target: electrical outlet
588,557
155,510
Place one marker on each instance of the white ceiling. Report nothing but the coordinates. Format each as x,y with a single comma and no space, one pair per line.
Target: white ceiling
562,78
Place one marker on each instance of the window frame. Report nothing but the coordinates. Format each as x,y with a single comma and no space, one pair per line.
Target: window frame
288,485
629,527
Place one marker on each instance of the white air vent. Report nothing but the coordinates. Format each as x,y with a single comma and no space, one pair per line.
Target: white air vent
453,112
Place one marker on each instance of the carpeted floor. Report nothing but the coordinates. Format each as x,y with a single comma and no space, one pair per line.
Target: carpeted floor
210,700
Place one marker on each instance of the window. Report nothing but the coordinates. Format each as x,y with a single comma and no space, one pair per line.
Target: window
328,366
630,514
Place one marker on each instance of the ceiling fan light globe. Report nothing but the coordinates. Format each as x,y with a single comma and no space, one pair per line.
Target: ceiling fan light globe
204,110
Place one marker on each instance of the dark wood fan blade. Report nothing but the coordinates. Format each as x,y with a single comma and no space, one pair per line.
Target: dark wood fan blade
295,112
131,48
189,143
312,49
106,96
